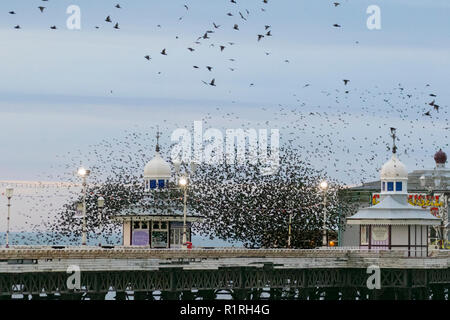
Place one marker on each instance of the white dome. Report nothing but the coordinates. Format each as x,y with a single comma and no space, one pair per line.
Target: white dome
157,168
394,169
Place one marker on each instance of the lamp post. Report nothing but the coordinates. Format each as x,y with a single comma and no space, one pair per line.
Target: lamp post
100,205
324,187
183,183
291,216
84,173
9,194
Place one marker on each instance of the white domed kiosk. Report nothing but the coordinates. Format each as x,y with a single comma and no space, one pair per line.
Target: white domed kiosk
157,220
393,223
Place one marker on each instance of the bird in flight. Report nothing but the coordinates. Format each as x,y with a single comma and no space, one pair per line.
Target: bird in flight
41,8
164,52
346,81
108,19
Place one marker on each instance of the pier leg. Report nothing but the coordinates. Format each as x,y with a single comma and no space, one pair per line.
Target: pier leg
96,296
275,294
303,294
169,295
438,292
207,294
140,295
332,294
239,294
348,293
121,295
188,295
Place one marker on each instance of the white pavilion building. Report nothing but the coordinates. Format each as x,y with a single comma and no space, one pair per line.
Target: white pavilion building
157,221
393,223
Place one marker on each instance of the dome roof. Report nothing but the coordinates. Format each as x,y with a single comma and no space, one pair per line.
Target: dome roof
393,169
157,168
440,157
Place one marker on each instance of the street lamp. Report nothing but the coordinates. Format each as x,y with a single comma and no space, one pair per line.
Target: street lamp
183,183
84,173
291,216
9,194
324,187
100,205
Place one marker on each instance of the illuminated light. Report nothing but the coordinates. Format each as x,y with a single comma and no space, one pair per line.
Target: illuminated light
183,182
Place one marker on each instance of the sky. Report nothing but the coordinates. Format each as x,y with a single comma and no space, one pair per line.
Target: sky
67,90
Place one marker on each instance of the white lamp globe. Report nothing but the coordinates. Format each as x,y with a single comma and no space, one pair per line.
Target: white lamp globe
323,185
183,181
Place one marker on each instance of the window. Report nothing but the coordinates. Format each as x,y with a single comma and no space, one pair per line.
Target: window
136,225
176,236
161,184
144,225
384,186
390,186
364,235
152,184
398,186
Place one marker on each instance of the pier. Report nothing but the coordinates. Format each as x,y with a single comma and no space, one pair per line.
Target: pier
206,273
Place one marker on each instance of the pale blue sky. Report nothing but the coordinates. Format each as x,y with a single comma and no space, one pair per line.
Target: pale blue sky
55,84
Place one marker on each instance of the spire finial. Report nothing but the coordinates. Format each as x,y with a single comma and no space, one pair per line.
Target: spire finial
157,139
394,136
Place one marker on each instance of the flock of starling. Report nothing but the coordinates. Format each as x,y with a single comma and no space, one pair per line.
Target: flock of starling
319,142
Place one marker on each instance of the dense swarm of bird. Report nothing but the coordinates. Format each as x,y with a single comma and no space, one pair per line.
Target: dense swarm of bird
237,202
318,140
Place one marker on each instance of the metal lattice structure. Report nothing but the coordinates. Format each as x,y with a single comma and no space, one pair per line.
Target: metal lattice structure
206,274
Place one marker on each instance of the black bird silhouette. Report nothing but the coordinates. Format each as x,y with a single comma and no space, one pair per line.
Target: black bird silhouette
164,52
108,19
41,8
